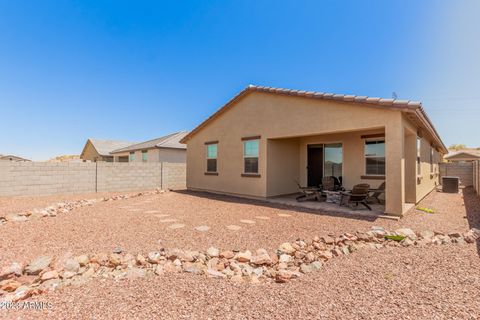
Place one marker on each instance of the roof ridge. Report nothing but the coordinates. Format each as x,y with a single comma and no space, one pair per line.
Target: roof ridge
334,96
170,137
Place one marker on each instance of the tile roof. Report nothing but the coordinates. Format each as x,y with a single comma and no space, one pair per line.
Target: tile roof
169,141
104,147
410,105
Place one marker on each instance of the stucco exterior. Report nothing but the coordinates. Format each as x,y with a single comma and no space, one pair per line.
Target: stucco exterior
89,153
286,125
171,155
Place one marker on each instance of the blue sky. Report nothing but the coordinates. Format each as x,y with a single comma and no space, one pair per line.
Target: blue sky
135,70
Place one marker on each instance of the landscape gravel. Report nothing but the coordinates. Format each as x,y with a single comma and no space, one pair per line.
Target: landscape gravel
436,282
107,225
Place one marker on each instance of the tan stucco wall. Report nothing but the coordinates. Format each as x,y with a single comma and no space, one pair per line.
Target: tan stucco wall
158,155
287,125
172,155
273,116
89,152
281,175
426,181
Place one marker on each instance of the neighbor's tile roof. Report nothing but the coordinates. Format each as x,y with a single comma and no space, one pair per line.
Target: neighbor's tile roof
169,141
411,105
104,147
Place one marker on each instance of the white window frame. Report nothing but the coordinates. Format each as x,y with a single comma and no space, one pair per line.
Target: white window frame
131,156
144,152
365,156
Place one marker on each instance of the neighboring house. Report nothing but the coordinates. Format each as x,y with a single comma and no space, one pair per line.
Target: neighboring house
465,155
99,150
164,149
10,157
264,139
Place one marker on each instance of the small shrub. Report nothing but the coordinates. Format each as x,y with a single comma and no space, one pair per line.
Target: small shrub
427,210
395,238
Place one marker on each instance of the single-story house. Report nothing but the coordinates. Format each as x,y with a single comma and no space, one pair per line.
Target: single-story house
466,155
164,149
10,157
99,150
265,138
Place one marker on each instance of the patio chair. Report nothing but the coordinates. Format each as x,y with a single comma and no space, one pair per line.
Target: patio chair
331,183
308,193
376,193
358,195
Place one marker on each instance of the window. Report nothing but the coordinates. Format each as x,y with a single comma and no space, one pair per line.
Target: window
250,156
419,159
131,157
212,157
144,155
432,156
375,157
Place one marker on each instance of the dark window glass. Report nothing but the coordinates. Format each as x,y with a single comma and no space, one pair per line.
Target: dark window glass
211,165
251,165
376,165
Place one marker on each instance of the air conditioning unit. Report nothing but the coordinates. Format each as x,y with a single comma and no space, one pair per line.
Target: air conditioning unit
450,184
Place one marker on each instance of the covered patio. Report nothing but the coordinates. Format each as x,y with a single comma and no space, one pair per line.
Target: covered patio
378,209
351,157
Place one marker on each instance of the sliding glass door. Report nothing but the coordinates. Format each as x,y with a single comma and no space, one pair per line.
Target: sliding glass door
333,160
324,160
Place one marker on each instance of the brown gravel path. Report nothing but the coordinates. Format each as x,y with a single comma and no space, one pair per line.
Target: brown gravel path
439,282
144,223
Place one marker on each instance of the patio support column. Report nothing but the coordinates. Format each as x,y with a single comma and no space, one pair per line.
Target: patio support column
395,169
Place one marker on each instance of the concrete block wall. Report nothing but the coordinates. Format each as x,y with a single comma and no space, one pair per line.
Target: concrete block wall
128,176
462,170
476,176
174,175
41,178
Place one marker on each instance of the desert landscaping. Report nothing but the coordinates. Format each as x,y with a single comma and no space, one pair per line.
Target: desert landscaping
265,260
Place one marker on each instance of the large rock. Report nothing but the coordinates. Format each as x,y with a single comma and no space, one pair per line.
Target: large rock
284,275
83,260
285,258
286,248
427,234
213,252
52,274
262,259
227,254
471,235
326,255
15,269
153,257
9,285
244,256
406,232
71,265
38,265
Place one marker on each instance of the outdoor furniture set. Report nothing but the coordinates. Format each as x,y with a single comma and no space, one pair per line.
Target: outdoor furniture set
333,192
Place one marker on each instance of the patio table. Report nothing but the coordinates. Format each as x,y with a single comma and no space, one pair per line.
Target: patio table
332,196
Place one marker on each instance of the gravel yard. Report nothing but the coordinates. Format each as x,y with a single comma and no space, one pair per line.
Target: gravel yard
169,220
440,282
417,282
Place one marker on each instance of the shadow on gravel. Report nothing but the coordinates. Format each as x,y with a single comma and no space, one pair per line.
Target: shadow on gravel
472,207
239,200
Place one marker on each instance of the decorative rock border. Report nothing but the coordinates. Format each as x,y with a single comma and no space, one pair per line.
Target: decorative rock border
43,274
66,207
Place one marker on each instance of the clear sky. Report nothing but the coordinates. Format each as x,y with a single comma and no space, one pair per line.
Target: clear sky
135,70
